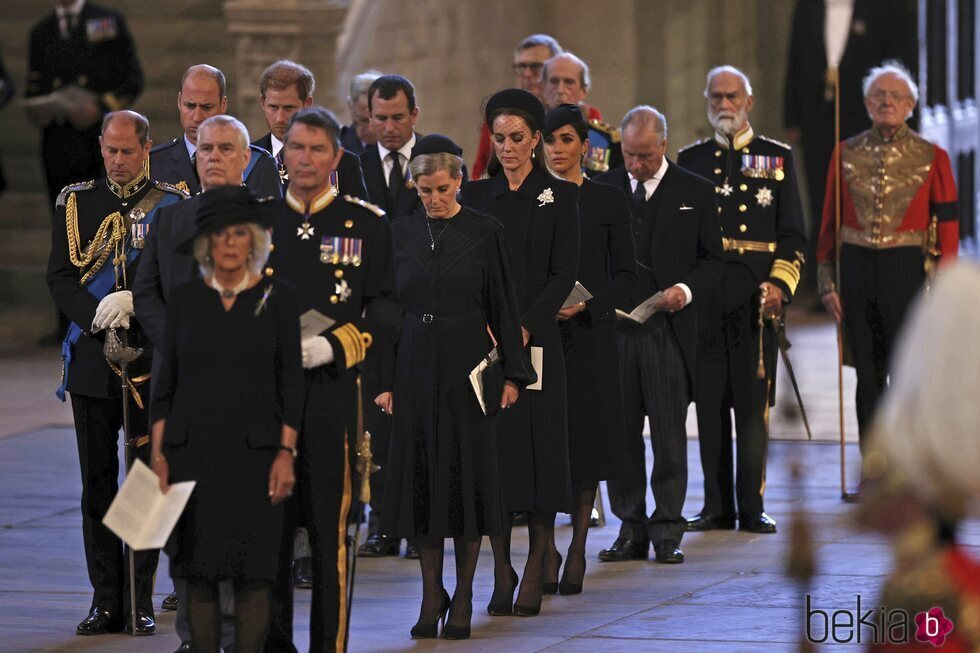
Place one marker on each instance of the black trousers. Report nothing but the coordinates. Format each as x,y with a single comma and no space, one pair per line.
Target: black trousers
727,380
322,500
97,425
877,288
655,384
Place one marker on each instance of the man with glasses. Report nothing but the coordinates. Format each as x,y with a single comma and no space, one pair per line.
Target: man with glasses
763,238
529,57
898,222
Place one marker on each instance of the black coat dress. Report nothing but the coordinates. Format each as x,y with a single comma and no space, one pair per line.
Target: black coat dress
442,466
607,269
230,380
542,236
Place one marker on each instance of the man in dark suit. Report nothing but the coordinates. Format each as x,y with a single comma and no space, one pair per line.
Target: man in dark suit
358,135
391,101
678,251
89,47
223,156
845,38
201,96
91,290
285,87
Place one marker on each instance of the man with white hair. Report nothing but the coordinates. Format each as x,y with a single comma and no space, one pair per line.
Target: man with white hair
565,79
358,135
763,237
897,222
678,252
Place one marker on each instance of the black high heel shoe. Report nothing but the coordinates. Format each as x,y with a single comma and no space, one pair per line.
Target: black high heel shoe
552,588
503,607
567,589
431,630
451,631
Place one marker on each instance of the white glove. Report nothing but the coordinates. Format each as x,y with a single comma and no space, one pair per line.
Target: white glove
317,351
113,311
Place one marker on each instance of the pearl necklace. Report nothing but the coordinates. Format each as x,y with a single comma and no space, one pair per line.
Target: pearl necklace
230,293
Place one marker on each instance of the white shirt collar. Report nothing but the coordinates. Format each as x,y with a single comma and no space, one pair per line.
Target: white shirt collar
405,150
276,145
73,9
191,148
650,184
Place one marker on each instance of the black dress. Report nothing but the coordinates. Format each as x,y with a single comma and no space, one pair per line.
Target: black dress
607,269
541,232
229,381
442,465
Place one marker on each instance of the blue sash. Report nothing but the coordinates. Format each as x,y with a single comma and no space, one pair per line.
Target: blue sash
257,153
99,286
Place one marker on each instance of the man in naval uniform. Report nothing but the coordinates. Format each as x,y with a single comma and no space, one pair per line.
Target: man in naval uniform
763,238
336,251
101,227
201,96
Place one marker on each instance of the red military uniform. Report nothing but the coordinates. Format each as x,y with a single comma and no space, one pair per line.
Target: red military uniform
898,219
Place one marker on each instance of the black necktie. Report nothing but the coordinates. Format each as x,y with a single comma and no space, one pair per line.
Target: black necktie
639,195
395,179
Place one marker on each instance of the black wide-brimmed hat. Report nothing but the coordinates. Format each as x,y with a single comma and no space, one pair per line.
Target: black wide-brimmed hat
224,206
515,98
563,114
436,144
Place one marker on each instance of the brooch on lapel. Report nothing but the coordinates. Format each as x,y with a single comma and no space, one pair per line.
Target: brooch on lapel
260,306
546,197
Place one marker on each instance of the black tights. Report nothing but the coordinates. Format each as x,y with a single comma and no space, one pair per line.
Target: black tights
541,532
431,555
251,615
584,501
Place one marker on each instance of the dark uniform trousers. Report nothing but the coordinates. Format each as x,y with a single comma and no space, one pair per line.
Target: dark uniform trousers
97,424
727,379
655,384
321,500
877,288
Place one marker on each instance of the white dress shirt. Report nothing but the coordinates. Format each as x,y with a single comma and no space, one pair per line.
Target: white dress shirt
191,147
67,14
836,27
276,145
406,153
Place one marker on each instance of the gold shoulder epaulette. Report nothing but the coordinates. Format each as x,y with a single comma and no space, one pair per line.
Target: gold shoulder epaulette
694,144
374,208
170,188
774,142
615,135
73,188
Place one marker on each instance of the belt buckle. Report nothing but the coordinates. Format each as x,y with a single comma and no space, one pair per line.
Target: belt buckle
427,318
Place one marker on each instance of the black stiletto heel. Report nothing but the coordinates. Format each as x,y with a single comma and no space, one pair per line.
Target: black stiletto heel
503,607
431,630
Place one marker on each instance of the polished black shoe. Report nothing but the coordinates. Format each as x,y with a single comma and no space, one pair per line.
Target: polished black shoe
552,588
431,630
502,603
708,523
411,553
758,522
169,603
568,588
144,622
668,552
378,546
625,548
303,573
99,622
185,647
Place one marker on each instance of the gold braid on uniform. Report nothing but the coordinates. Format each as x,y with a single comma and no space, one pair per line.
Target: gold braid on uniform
788,273
110,235
354,342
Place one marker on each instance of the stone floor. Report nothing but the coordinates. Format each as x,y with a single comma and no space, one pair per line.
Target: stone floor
730,595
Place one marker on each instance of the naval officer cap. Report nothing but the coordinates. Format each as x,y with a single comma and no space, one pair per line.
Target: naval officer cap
515,98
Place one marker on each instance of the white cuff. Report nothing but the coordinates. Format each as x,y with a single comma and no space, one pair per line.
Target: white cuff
687,293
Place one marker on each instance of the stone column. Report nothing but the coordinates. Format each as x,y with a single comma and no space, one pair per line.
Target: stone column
305,31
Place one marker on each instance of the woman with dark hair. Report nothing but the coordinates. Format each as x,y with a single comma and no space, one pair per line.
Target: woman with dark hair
607,269
454,285
540,218
227,405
